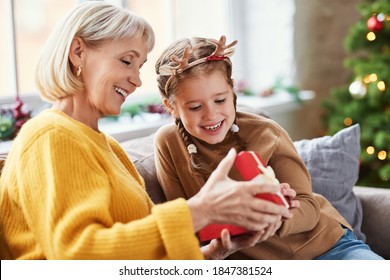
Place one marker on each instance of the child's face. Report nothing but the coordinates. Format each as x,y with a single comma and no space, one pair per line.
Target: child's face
205,105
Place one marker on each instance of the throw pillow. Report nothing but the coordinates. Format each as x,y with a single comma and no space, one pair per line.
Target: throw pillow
333,163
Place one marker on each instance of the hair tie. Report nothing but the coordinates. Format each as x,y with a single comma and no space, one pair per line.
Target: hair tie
234,128
191,149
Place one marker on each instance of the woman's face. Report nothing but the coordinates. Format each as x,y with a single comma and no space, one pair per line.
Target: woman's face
112,72
205,106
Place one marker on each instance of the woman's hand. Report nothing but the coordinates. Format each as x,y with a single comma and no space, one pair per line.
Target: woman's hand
223,200
219,249
290,193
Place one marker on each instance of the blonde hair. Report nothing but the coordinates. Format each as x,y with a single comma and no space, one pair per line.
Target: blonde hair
95,23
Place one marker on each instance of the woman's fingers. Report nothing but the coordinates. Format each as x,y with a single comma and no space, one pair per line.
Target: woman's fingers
223,200
239,206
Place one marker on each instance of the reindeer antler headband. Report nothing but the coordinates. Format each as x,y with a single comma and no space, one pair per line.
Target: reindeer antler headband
222,52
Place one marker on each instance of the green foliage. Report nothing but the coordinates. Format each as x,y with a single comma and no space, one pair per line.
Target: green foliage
372,110
132,110
384,172
291,89
136,108
6,127
248,92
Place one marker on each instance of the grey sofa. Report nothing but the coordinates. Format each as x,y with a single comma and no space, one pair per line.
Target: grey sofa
376,218
375,202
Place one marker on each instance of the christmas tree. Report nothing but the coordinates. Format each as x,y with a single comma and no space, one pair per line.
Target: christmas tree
366,100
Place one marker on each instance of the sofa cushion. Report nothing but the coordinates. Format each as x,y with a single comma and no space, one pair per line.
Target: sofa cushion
333,163
141,153
376,220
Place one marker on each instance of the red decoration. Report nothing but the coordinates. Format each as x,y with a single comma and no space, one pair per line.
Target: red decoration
157,108
215,58
374,25
21,114
247,165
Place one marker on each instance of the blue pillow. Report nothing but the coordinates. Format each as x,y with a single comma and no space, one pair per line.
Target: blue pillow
333,164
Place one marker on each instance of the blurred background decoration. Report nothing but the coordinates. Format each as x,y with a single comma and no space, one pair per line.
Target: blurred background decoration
366,99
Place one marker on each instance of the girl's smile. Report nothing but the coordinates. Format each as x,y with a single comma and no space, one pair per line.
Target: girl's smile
214,129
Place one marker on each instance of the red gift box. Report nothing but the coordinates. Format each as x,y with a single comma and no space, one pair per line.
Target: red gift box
251,167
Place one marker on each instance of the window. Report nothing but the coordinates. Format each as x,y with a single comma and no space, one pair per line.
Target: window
263,28
175,19
33,21
265,52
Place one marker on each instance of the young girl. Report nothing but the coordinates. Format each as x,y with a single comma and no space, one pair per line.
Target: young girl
194,80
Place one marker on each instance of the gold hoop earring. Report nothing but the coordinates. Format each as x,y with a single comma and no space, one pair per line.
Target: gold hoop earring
79,69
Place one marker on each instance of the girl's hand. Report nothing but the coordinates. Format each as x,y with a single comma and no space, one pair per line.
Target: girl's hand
219,249
290,193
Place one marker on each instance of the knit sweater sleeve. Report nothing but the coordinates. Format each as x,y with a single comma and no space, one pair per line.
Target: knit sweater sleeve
68,198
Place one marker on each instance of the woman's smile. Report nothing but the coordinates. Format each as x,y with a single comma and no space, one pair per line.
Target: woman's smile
121,91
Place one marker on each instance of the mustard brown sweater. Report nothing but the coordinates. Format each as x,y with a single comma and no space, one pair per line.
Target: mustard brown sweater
69,192
315,227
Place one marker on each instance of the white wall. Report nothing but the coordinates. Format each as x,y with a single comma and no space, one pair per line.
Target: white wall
265,32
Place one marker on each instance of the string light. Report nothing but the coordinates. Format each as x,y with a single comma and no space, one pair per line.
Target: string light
373,77
382,155
347,121
370,150
371,36
381,86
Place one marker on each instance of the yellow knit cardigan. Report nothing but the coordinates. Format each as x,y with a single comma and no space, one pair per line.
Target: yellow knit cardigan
69,192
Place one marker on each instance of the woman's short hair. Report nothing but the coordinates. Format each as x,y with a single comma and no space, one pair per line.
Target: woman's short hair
94,22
